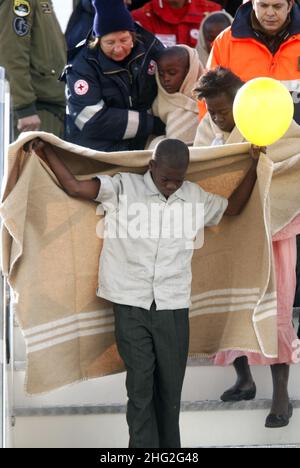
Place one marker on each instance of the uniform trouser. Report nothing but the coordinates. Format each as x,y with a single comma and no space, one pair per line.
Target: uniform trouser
154,347
50,123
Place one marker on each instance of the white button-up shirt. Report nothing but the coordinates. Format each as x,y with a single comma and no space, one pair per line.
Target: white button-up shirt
147,252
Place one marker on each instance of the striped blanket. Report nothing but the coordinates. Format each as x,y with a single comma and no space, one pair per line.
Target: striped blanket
50,254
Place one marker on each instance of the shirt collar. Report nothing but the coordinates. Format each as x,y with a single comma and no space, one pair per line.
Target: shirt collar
153,190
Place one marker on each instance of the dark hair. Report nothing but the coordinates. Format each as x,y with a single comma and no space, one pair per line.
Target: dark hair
218,81
175,51
172,153
217,18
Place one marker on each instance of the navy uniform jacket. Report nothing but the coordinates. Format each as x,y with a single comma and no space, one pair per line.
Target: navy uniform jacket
80,23
107,101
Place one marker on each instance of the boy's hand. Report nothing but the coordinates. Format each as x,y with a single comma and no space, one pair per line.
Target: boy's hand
33,144
255,151
37,145
241,195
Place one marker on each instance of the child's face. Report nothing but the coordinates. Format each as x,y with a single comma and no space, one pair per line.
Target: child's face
212,30
172,72
167,180
221,111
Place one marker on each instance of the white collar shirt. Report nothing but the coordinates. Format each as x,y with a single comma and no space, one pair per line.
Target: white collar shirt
146,256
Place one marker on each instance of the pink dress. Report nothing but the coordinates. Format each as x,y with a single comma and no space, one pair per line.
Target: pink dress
285,257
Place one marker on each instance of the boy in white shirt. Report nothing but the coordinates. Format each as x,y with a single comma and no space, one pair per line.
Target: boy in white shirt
148,278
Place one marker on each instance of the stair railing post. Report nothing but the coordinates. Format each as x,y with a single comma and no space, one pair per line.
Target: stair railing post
5,331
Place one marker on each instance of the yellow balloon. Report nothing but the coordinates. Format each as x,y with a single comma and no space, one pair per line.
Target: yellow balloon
263,111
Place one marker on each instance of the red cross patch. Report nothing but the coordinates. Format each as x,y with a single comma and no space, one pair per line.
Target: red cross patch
152,68
81,87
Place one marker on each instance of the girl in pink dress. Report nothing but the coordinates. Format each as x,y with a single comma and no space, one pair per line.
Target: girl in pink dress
285,253
218,87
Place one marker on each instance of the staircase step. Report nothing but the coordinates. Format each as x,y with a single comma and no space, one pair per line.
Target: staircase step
186,406
203,424
92,413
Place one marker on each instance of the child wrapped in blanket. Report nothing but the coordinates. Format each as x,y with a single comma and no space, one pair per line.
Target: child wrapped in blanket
178,70
218,88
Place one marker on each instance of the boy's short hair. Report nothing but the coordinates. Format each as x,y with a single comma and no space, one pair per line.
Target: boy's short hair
172,153
175,51
218,81
218,17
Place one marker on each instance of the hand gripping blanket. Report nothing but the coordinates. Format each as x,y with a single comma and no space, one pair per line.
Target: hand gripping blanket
50,255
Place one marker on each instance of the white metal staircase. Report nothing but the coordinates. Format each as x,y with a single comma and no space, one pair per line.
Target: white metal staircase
92,413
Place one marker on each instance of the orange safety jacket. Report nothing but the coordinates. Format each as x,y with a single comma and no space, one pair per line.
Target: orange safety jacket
243,50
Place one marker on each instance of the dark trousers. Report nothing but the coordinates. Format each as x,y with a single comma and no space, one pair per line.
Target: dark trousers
154,347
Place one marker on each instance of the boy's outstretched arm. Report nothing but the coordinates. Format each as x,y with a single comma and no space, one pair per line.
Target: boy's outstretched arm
242,193
86,189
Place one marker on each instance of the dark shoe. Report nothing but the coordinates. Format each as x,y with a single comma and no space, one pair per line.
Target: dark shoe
279,420
236,394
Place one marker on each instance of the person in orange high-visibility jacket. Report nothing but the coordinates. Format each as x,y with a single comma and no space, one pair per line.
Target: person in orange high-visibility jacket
264,40
250,51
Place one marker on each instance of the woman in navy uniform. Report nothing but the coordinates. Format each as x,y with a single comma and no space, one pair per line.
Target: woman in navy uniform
82,18
111,83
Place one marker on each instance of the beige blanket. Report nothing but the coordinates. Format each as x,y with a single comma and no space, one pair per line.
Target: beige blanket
179,111
50,255
285,186
208,134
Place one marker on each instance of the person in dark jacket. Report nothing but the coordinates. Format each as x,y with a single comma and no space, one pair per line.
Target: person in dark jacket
80,23
82,18
111,83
